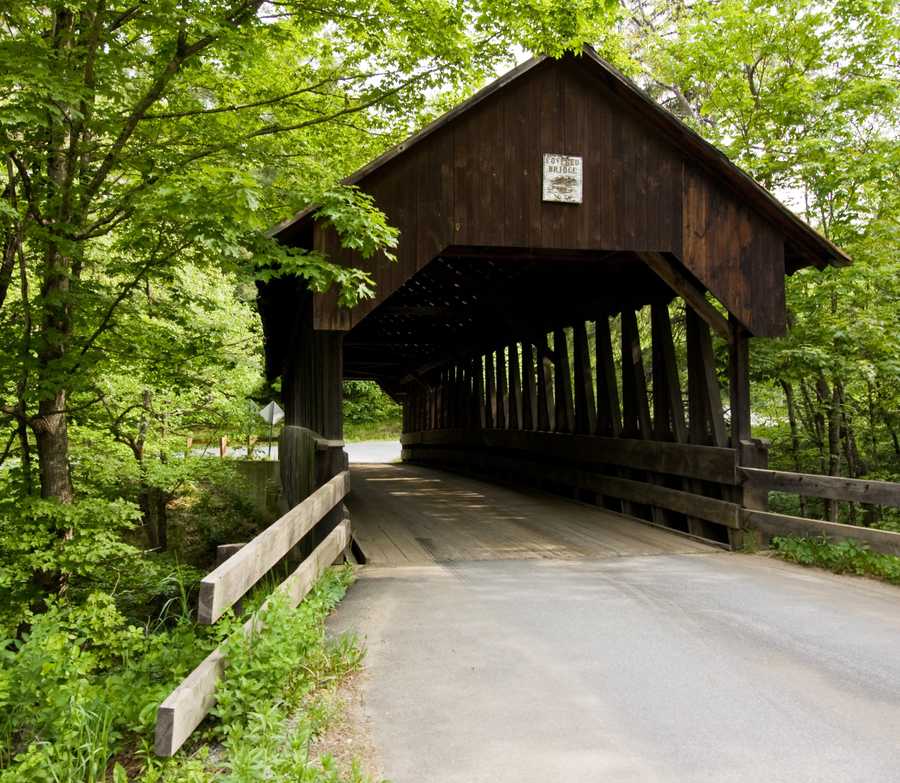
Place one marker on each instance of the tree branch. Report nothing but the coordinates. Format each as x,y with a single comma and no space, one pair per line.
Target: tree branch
255,104
183,52
9,444
107,318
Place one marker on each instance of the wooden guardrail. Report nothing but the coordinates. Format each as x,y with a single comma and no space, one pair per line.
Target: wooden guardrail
590,462
231,580
885,493
191,701
596,464
707,463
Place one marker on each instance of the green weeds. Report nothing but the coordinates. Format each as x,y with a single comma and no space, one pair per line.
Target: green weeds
78,694
841,557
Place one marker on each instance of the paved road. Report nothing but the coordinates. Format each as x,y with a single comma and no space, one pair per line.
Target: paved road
374,451
695,668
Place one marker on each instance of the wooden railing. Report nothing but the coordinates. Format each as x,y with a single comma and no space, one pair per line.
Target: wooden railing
704,483
192,700
885,493
696,482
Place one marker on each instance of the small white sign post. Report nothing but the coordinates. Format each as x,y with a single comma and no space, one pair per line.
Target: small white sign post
563,178
272,414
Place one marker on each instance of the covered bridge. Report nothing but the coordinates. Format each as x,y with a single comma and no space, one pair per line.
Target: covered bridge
578,278
547,225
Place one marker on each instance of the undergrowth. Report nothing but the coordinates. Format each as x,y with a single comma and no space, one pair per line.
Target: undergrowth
380,430
78,695
841,557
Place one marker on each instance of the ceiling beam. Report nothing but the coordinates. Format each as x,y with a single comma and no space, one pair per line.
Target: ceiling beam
679,282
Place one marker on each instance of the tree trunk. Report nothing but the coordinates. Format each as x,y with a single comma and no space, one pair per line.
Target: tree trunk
153,502
52,442
815,424
795,437
832,399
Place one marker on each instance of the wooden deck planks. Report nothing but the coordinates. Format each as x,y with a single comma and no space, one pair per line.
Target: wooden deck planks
411,515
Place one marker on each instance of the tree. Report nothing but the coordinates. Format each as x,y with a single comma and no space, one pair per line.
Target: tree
139,138
805,97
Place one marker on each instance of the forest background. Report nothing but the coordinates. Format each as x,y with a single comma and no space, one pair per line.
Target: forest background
145,150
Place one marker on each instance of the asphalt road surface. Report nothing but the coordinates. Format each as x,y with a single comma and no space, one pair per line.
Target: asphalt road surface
688,667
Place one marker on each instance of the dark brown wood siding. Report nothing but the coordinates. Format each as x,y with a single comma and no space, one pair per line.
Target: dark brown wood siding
734,253
477,182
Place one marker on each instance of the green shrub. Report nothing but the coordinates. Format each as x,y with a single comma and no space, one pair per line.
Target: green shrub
841,557
46,547
82,685
366,403
83,681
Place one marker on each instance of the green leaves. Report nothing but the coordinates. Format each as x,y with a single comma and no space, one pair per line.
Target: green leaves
359,224
841,557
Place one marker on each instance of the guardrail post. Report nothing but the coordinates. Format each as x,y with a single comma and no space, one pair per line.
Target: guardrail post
752,453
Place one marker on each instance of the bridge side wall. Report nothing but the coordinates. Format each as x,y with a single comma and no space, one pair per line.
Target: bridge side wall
591,412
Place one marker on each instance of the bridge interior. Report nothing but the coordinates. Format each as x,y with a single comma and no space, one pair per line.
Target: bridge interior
409,515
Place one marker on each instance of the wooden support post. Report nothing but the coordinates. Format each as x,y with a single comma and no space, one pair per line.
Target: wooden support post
562,378
706,418
467,392
441,390
515,389
529,388
751,454
609,417
545,417
312,390
739,378
478,404
453,418
585,409
668,407
297,464
490,392
635,405
502,398
462,396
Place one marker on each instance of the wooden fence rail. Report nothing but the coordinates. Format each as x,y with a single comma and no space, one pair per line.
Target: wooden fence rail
770,524
191,701
886,493
231,580
542,465
709,463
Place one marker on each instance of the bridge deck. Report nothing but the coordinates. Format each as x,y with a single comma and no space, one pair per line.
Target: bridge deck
411,515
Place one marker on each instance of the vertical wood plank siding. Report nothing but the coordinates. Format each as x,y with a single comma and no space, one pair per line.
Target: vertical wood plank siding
476,182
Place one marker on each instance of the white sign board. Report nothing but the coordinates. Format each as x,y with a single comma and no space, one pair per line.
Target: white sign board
272,413
562,178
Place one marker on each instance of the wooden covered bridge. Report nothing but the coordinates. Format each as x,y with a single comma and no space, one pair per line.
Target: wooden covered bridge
550,228
577,279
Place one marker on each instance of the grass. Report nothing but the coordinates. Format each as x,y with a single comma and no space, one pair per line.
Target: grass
275,700
839,557
76,710
379,430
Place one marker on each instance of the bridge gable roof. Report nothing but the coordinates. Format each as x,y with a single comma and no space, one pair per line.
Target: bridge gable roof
470,184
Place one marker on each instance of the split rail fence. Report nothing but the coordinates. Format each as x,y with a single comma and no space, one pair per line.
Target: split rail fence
185,708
